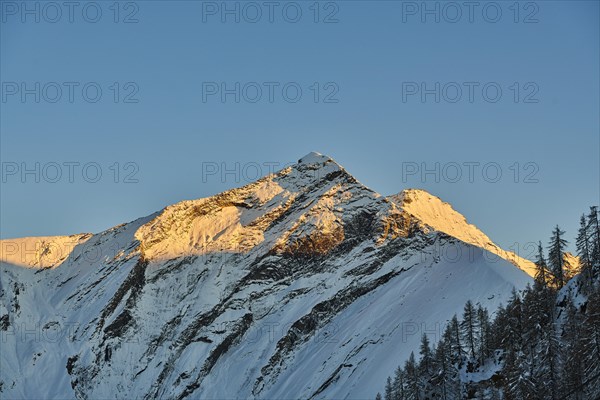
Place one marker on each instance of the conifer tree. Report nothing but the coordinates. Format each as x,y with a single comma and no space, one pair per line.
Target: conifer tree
556,253
594,235
484,335
468,327
425,366
398,384
518,383
442,366
550,358
449,355
541,274
499,328
412,378
454,340
389,393
591,345
572,350
583,251
514,328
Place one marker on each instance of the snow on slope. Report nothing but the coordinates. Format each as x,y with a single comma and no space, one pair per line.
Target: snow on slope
302,284
42,312
379,330
40,252
440,216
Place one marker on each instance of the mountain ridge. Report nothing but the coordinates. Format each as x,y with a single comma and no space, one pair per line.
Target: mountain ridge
430,210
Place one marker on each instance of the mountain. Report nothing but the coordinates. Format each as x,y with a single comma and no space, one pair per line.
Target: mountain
303,284
440,216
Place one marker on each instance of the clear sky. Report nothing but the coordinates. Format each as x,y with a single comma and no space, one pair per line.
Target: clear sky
386,90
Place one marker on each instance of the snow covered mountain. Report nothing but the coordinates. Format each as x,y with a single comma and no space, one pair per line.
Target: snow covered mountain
303,284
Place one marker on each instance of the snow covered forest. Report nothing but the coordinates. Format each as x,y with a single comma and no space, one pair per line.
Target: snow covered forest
543,344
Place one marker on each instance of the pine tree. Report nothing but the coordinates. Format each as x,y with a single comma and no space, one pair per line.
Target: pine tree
441,368
594,235
398,385
533,322
583,251
514,328
454,341
499,329
468,327
484,334
425,366
541,274
556,253
548,373
449,356
591,345
389,392
412,378
378,396
518,385
426,356
573,352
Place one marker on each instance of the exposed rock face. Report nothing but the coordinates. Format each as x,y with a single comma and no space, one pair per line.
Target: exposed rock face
304,284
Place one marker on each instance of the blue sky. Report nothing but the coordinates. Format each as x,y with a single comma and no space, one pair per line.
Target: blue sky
362,67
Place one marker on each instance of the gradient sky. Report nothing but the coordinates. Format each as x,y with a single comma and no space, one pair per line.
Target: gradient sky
371,54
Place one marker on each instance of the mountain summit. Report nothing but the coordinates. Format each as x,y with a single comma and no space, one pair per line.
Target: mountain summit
303,284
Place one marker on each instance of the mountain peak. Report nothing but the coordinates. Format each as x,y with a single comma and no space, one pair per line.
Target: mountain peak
317,161
300,209
315,158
